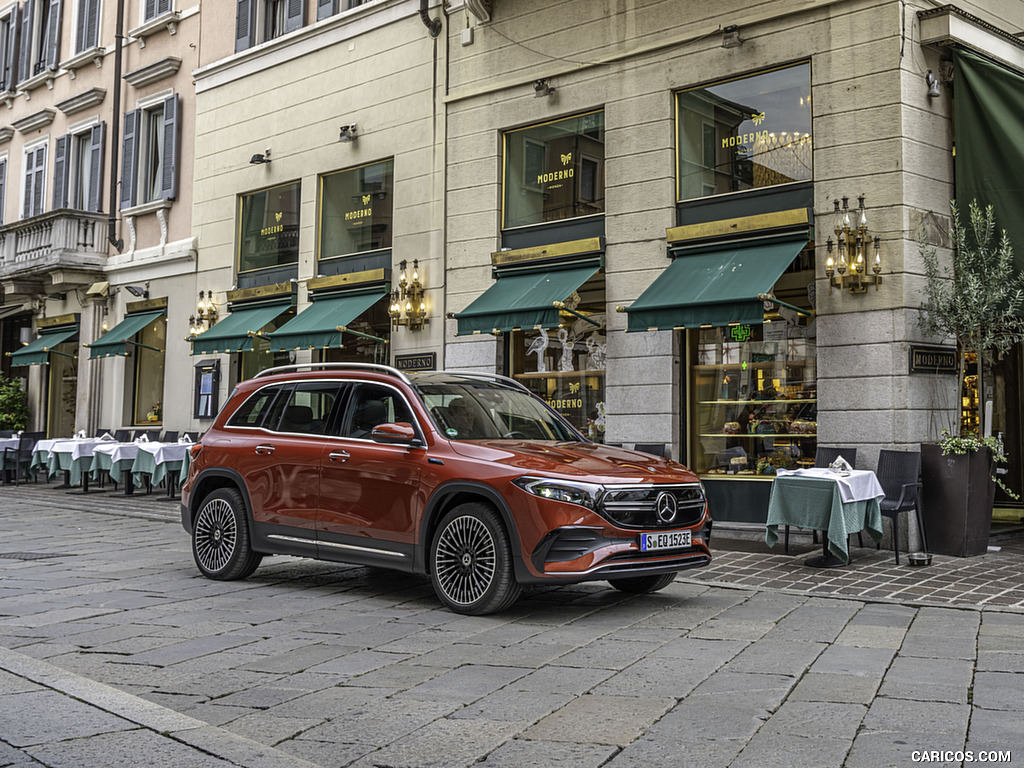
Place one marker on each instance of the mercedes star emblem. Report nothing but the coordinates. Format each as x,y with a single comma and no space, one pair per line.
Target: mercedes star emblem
666,507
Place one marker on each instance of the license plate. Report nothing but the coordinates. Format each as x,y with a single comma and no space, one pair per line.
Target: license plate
657,541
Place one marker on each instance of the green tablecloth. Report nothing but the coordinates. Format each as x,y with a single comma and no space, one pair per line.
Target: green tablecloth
815,503
103,462
145,464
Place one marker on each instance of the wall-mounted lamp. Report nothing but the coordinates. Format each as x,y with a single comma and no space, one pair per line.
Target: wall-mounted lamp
731,36
348,133
260,159
933,84
542,88
407,306
851,242
205,316
138,291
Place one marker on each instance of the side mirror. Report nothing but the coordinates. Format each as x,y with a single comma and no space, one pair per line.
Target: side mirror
399,433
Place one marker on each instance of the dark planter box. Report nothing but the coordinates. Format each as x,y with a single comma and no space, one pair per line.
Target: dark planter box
956,500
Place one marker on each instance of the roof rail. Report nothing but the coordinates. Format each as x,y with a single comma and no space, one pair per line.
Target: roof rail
493,377
386,369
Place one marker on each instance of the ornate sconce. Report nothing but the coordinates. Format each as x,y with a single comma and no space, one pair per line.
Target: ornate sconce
205,316
848,268
407,306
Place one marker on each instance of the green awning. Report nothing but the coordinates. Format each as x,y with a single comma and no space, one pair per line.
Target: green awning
317,325
116,340
38,351
234,333
714,285
988,120
523,300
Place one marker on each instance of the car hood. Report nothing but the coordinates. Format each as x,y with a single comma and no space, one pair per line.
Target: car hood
592,462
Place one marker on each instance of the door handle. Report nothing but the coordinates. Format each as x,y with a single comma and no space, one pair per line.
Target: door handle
265,449
339,456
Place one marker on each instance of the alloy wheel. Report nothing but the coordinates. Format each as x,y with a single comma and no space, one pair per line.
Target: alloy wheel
466,560
216,535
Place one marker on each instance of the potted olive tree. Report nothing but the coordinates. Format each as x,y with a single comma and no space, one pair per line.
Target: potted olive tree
13,405
975,298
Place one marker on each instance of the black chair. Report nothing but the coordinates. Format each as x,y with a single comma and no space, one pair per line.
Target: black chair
193,436
823,458
150,434
899,474
6,433
19,459
121,435
101,432
170,436
655,449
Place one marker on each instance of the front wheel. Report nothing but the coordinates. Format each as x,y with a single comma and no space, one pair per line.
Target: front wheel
643,585
221,544
471,561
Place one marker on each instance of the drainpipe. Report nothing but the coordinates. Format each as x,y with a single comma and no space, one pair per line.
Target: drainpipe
433,25
115,130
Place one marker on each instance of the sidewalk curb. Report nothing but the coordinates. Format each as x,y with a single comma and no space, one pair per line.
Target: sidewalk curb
165,722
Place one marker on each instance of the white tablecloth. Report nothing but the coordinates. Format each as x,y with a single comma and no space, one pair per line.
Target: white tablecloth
117,451
77,448
859,485
9,442
164,452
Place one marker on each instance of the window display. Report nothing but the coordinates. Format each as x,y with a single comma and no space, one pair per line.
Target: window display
269,228
754,392
356,210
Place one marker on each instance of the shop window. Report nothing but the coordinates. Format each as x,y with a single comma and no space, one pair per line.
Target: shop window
87,25
40,38
78,169
260,357
565,366
62,389
147,403
356,210
34,180
554,171
257,21
269,228
748,133
754,397
9,49
151,147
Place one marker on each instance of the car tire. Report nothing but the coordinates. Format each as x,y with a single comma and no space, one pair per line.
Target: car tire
221,544
471,561
643,585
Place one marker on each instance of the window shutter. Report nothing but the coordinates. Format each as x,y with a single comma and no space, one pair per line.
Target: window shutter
26,204
325,9
51,44
130,158
163,6
245,25
295,15
172,125
9,66
86,36
97,142
38,181
25,54
61,163
3,188
149,12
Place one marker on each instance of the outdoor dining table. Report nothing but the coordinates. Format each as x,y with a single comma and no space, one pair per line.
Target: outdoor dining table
161,461
836,503
116,459
70,455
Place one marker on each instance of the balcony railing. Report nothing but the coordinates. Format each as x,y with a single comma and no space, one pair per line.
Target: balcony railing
62,239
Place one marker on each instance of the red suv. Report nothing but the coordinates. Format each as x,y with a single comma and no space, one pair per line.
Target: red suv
466,477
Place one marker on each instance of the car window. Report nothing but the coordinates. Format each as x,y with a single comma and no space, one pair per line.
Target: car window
307,409
251,413
372,405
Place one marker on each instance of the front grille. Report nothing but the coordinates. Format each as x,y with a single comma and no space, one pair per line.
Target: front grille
653,506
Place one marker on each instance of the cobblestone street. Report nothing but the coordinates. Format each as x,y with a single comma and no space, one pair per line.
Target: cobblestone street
115,652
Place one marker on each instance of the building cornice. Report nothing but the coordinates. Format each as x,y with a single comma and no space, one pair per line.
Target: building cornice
82,101
36,120
950,25
154,72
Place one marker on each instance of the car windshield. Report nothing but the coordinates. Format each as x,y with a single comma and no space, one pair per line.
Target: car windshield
483,410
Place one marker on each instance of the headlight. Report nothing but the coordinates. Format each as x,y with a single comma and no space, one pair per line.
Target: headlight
584,494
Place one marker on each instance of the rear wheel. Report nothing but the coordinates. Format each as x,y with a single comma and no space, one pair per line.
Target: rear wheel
221,544
471,561
643,585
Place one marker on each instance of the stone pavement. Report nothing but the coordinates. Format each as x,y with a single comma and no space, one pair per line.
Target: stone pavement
114,652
